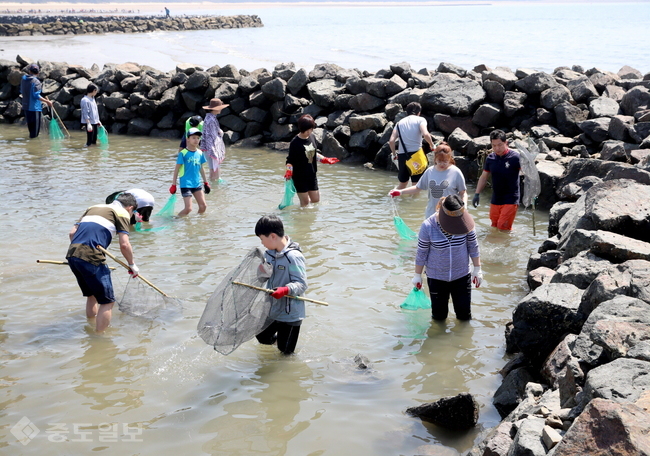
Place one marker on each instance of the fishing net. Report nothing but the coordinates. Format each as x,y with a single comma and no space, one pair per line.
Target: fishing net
139,229
400,225
102,136
532,185
289,193
234,314
55,130
140,300
168,208
416,299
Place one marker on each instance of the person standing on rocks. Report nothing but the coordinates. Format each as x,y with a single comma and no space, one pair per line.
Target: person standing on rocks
167,12
90,115
212,141
446,244
504,167
442,179
30,88
410,131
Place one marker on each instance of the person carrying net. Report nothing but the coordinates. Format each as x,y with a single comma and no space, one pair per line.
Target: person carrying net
288,277
94,229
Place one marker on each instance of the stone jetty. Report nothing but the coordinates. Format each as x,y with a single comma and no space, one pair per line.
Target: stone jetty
81,25
579,379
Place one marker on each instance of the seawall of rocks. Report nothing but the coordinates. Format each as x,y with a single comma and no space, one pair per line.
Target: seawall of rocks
570,113
79,25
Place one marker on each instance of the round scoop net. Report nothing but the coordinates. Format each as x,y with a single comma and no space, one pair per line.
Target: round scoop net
140,300
532,185
234,313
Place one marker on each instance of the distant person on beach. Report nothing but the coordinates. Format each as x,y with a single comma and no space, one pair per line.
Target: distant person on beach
192,122
90,115
504,167
410,131
95,228
212,141
144,207
442,179
446,244
189,167
30,88
167,12
301,165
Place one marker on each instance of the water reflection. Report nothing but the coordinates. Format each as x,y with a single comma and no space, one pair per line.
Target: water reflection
266,422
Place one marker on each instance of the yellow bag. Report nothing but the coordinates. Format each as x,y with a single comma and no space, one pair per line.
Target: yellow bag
418,162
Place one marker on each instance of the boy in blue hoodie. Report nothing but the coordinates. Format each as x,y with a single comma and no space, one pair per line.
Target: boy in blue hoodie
288,278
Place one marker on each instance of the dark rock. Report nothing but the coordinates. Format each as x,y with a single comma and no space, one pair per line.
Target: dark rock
254,114
574,190
603,107
559,361
543,318
494,90
626,434
528,441
476,145
568,117
627,72
601,80
455,97
365,102
582,89
622,380
165,134
613,150
332,148
249,84
226,92
549,175
324,71
363,140
596,129
374,121
581,270
512,391
115,101
458,140
487,115
447,124
275,89
614,92
284,71
324,91
229,71
192,100
281,132
536,83
503,76
544,117
457,413
634,100
513,102
139,126
555,95
549,244
549,259
619,127
198,81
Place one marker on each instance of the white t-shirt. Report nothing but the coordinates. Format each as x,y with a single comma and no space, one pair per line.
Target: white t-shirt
410,133
144,198
440,183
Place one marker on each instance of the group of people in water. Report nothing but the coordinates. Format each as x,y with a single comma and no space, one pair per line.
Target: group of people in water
447,251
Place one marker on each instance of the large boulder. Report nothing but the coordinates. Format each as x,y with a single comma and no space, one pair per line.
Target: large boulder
527,441
582,89
364,102
332,148
555,95
487,115
536,83
503,76
596,129
140,126
512,390
568,117
372,121
581,270
459,412
275,90
622,380
544,317
635,99
325,91
549,175
513,102
607,428
603,107
455,97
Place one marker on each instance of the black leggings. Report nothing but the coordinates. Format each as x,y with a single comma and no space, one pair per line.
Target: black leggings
403,171
461,295
285,333
91,136
33,122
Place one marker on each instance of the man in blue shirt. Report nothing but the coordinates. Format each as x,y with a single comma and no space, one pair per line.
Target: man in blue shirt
503,164
30,88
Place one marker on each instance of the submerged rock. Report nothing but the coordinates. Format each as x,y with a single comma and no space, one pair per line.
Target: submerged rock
457,413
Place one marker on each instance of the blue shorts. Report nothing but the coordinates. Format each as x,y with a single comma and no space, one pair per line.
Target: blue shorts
185,192
93,280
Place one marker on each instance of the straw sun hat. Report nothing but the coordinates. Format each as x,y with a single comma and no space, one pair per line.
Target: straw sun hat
216,105
453,216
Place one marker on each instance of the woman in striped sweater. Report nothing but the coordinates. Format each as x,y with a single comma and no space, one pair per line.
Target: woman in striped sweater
446,244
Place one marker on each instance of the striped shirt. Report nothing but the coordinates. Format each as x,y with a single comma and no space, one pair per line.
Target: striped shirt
96,227
446,257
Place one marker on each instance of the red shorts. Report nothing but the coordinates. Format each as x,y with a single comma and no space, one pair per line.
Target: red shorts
503,215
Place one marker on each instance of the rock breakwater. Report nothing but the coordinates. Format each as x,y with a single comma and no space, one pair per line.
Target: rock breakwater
80,25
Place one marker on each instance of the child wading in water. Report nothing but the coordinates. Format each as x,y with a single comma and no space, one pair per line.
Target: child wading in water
288,278
189,166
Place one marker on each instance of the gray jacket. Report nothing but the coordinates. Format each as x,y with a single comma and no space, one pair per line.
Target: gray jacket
288,271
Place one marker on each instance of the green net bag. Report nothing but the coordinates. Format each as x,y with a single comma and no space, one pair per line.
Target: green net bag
102,136
403,229
289,193
168,209
417,299
55,130
139,229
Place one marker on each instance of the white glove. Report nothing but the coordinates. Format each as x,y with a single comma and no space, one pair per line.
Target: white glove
89,127
134,270
477,276
417,281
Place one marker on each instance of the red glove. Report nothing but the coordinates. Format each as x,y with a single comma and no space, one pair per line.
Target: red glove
329,160
172,189
206,188
280,292
395,193
289,174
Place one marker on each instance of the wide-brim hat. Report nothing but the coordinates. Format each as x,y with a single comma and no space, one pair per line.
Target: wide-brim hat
216,105
453,216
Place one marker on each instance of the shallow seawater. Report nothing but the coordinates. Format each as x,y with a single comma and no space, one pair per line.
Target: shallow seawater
153,380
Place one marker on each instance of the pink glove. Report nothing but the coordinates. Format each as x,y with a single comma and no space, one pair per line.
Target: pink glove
329,160
280,292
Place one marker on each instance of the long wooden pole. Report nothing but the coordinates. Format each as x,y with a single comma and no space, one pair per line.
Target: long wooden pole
300,298
59,262
57,116
126,266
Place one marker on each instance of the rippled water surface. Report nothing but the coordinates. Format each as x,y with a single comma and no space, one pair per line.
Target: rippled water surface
158,375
